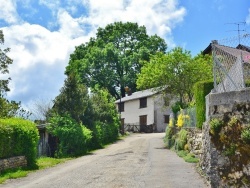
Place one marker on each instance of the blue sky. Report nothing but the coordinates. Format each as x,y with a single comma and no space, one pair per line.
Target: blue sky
43,33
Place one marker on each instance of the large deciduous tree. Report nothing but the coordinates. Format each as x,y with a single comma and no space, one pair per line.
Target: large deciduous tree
177,71
114,58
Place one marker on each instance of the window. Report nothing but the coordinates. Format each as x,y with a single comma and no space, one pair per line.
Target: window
121,107
143,120
166,118
143,102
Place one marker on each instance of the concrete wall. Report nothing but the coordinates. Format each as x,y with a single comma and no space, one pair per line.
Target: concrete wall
220,170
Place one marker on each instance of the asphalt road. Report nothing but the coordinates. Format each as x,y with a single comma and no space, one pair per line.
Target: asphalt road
140,160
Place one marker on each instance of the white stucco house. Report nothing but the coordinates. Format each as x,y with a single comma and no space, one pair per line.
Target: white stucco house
144,110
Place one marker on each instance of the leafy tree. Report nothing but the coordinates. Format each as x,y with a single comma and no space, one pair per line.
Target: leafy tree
72,100
105,118
12,109
5,61
113,58
176,72
8,108
103,105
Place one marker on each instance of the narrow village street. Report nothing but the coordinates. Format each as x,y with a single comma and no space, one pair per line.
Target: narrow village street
140,160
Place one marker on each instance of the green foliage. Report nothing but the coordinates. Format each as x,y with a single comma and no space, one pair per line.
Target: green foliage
182,153
72,100
247,83
215,126
103,105
106,124
42,163
177,106
188,157
201,89
18,137
5,61
245,135
169,138
45,162
74,138
103,134
10,109
181,140
114,57
73,107
230,151
177,70
231,138
13,174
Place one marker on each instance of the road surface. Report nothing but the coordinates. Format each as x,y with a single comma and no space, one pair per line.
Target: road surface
139,160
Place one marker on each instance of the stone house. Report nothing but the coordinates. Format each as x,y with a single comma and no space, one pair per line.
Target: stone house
144,111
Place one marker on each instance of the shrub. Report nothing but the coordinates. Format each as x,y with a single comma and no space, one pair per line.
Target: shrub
181,139
73,138
19,137
182,119
247,83
190,158
215,126
105,119
201,89
245,135
169,137
104,133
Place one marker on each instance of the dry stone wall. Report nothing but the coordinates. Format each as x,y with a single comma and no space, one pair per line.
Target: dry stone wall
225,169
13,162
194,141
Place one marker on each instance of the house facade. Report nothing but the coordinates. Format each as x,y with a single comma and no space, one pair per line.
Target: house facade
144,111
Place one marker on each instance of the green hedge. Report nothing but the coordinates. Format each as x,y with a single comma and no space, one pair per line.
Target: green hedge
201,89
104,133
74,139
18,137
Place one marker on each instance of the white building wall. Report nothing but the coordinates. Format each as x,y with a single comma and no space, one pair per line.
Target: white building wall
160,112
132,111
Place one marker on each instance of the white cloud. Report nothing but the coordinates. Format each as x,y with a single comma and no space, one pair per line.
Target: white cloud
8,11
159,16
40,55
68,25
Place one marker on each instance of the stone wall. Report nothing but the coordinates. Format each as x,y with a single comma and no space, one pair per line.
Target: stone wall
13,162
221,169
194,141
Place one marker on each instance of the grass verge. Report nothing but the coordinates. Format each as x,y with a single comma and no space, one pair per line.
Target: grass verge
42,163
188,157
